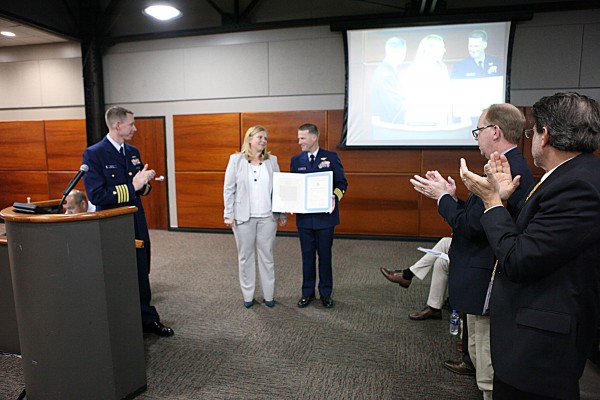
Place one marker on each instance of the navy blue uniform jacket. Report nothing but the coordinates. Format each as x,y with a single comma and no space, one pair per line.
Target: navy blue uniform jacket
467,68
108,183
471,257
546,298
324,161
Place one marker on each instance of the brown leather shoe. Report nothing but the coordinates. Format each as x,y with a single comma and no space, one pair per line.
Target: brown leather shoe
426,313
396,277
460,367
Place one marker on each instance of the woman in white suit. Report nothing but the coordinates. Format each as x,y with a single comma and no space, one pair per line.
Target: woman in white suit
247,196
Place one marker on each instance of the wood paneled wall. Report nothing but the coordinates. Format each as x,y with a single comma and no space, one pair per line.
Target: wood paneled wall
380,199
39,158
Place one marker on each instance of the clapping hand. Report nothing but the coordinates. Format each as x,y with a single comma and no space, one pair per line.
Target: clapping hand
498,183
433,185
499,167
143,177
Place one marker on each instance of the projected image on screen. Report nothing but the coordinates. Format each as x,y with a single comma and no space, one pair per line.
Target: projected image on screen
423,86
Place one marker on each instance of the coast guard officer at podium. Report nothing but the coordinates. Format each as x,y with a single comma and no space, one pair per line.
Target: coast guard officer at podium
116,178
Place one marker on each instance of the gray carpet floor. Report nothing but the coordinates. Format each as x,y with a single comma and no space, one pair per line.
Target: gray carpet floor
363,348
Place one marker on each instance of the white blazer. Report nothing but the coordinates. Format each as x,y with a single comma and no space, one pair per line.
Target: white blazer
235,190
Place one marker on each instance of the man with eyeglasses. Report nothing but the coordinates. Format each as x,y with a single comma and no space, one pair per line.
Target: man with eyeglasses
471,258
545,302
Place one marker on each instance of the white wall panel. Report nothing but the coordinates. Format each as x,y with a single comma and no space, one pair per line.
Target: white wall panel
307,66
226,71
59,83
20,84
144,76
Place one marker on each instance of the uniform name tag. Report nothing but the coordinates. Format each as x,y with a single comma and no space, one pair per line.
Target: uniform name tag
110,167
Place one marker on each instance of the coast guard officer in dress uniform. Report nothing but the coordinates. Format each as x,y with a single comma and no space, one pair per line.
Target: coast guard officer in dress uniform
116,178
316,230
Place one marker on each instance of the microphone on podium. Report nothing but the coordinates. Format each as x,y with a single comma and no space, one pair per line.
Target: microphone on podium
82,170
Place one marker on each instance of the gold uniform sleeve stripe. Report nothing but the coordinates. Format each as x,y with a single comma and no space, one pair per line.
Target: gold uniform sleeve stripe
122,194
119,194
125,193
339,193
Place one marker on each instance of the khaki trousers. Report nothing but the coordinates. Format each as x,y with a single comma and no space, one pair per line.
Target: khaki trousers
439,276
479,350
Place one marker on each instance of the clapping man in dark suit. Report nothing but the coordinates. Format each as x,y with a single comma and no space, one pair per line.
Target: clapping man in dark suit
545,300
471,258
316,230
479,64
116,178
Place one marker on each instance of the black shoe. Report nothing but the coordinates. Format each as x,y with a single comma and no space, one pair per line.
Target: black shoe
303,302
158,329
327,302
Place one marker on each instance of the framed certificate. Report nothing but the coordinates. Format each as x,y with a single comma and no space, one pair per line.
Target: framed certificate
302,193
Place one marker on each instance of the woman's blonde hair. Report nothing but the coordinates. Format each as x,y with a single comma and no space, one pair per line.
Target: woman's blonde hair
246,150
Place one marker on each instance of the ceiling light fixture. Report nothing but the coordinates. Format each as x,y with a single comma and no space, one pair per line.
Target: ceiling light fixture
8,33
162,12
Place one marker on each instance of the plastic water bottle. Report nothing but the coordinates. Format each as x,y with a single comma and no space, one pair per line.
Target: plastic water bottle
454,321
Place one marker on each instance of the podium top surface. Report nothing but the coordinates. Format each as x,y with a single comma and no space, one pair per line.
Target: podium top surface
9,214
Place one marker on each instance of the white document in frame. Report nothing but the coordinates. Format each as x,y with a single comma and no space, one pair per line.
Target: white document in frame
302,193
438,254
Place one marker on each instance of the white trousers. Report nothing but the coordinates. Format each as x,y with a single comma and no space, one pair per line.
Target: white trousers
256,237
439,276
479,351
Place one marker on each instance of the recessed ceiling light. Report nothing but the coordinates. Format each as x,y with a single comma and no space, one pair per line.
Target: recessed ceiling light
162,12
7,33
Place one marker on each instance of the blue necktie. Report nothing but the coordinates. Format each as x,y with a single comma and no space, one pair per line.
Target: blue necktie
312,160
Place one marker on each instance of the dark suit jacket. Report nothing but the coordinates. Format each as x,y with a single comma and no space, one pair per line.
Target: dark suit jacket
387,102
324,161
108,183
467,68
471,257
546,297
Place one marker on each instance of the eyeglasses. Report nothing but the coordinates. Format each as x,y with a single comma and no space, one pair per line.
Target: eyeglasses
476,132
528,133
